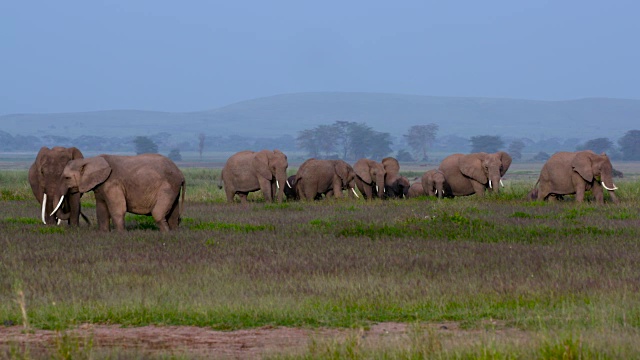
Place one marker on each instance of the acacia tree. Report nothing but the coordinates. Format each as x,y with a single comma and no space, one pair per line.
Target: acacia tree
515,149
144,145
598,145
486,143
630,145
201,138
350,140
420,137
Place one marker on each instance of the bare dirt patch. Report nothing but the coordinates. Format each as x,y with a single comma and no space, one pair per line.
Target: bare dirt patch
242,344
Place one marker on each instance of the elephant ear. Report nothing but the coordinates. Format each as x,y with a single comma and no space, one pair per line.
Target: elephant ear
75,153
471,166
582,165
362,170
506,162
391,165
35,175
342,169
261,165
93,172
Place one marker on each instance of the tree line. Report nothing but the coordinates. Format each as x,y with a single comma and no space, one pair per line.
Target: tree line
342,139
352,141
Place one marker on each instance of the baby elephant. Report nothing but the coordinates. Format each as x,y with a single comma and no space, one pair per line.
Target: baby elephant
147,184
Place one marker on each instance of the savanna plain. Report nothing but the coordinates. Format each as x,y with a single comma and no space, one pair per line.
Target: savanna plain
491,278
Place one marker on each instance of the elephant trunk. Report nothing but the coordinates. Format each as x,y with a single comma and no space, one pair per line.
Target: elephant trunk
495,182
380,185
281,180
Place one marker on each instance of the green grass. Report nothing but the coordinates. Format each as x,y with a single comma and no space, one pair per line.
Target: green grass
561,272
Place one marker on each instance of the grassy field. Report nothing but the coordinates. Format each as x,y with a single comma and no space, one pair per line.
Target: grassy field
563,276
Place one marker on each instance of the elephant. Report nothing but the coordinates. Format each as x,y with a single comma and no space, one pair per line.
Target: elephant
567,173
434,183
369,177
44,178
289,190
474,173
329,177
395,186
248,171
147,184
415,190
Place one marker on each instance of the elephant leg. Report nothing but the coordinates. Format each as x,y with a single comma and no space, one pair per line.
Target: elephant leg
74,205
162,208
265,186
173,219
230,192
243,197
580,189
102,213
337,188
598,193
478,188
117,208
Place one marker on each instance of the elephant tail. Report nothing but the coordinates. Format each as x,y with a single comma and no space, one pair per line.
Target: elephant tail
85,218
184,190
220,180
533,194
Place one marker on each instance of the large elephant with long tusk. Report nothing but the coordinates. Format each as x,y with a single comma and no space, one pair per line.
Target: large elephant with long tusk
567,173
45,176
249,171
474,173
324,177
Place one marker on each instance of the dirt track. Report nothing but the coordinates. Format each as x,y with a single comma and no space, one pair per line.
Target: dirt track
193,341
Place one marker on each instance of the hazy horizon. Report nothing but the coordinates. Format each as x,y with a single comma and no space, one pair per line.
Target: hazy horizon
75,56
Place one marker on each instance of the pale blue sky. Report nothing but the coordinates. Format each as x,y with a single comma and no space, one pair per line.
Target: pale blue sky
58,56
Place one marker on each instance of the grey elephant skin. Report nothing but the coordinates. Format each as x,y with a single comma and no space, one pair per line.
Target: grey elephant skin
395,185
370,176
329,177
415,190
474,173
147,184
567,173
289,191
434,184
248,171
45,177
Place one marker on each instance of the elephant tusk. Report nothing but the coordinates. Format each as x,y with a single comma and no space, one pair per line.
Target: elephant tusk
277,184
289,185
44,205
57,206
354,193
610,189
59,221
436,191
377,188
501,184
490,187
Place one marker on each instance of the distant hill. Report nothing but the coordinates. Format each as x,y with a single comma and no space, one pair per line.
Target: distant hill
394,113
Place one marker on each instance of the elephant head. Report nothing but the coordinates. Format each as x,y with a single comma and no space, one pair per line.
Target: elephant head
347,175
44,178
83,175
395,185
592,166
371,173
433,183
290,190
487,169
272,165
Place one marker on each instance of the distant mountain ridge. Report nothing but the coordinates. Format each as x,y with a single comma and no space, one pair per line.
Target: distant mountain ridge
276,115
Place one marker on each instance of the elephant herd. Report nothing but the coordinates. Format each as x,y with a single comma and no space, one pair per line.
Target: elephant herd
457,175
151,184
148,184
